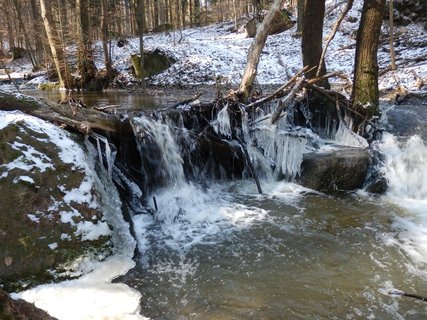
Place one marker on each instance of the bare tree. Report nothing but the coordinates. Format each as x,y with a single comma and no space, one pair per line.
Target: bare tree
391,30
255,49
311,40
58,57
365,92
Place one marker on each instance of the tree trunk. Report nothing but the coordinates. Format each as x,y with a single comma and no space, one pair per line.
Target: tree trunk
61,64
10,33
197,13
140,19
37,31
392,55
86,65
300,15
24,31
312,36
365,85
105,38
255,49
190,12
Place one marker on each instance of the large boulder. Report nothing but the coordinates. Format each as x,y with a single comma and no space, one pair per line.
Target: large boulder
52,207
155,62
340,169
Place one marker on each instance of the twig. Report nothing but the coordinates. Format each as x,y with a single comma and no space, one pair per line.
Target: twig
10,78
333,33
395,292
250,165
285,102
186,101
416,59
278,92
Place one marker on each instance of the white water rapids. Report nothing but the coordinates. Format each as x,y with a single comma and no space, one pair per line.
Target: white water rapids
221,251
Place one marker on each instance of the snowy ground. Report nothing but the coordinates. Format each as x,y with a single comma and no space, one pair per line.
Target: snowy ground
215,51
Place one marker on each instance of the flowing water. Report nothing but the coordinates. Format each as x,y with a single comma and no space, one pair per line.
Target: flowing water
221,251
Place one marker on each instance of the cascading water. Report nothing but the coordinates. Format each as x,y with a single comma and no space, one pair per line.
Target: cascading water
222,251
405,168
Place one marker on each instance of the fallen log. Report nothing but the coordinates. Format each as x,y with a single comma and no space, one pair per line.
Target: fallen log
82,120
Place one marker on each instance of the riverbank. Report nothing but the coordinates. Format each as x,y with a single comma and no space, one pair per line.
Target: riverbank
208,56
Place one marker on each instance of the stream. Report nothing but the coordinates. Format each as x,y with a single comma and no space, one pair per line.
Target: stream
220,250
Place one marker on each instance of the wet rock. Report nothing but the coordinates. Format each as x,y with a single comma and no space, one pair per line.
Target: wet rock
11,309
338,170
51,207
377,185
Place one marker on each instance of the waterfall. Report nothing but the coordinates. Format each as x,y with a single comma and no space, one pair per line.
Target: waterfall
160,151
405,167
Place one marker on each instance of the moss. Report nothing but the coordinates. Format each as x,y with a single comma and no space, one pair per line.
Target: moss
25,256
49,86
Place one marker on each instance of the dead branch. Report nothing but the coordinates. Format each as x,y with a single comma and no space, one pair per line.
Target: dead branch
250,165
286,101
422,58
280,92
82,120
10,78
333,33
187,101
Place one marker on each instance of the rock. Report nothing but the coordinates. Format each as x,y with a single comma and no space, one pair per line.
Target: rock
339,170
377,185
20,309
51,204
155,62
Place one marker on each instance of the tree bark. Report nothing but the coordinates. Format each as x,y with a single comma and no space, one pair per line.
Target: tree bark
86,65
365,92
300,15
37,31
58,57
105,38
24,31
140,19
392,55
311,40
255,49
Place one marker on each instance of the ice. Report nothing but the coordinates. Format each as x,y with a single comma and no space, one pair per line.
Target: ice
222,124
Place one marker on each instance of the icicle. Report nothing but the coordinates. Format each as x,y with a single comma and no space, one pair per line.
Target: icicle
223,125
347,137
110,155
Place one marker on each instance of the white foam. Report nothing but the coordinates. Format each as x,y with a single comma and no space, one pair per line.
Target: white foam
405,169
189,215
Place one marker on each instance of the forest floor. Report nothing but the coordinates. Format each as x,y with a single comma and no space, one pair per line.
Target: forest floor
216,54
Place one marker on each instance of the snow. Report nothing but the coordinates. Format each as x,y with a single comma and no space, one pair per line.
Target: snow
92,296
214,52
